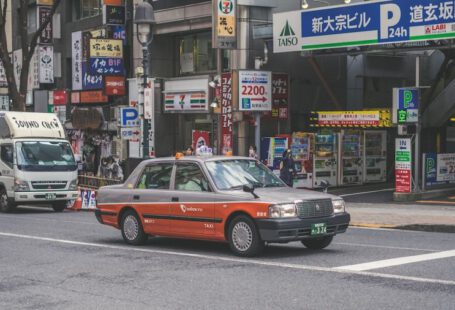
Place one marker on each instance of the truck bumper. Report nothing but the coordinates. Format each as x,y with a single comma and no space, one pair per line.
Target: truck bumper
45,197
286,230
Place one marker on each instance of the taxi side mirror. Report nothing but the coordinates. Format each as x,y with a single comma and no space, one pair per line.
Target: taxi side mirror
248,188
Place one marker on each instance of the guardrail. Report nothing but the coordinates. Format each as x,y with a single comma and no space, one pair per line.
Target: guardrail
92,182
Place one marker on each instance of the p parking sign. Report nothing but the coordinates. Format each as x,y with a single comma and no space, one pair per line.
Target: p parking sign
406,102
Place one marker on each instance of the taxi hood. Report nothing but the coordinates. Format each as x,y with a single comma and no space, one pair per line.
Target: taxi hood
287,194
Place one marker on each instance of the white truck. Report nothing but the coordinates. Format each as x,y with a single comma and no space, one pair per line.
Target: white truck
37,165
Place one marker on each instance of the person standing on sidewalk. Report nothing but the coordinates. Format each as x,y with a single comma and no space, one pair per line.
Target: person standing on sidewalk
287,168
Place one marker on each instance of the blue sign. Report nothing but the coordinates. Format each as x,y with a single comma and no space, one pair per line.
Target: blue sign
119,33
408,98
90,81
129,117
107,66
430,169
363,23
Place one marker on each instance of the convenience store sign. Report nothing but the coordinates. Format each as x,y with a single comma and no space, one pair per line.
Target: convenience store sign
376,118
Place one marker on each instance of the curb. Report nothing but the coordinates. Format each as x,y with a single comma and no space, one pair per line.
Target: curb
439,228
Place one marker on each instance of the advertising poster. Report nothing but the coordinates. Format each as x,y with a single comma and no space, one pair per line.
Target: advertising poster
90,81
280,96
255,90
107,66
445,168
200,138
46,36
108,48
46,64
115,85
226,113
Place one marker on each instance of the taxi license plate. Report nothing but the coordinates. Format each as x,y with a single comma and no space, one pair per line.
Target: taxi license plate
50,196
318,229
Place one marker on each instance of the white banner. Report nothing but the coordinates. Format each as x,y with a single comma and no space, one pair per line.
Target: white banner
17,64
149,103
76,47
446,167
4,103
33,73
46,64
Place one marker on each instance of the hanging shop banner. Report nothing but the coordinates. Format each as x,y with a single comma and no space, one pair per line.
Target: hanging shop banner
60,97
113,15
94,96
280,96
365,23
255,90
46,64
403,165
406,102
106,48
44,2
226,113
3,80
76,60
115,86
225,24
200,138
4,103
90,81
149,103
107,66
17,66
375,118
34,68
46,36
196,101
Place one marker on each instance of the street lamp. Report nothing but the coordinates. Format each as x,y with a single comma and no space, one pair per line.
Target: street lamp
144,18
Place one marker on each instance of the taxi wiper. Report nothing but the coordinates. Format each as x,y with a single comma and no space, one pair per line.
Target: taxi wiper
236,187
273,185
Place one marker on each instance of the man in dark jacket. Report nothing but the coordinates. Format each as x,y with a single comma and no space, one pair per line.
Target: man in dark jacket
287,168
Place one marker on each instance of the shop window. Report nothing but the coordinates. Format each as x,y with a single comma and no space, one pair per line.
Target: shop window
196,54
88,8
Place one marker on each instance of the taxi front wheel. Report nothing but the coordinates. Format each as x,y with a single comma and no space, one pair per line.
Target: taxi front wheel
244,238
318,243
132,230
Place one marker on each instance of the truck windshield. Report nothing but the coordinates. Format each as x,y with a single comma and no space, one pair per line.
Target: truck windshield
233,174
45,156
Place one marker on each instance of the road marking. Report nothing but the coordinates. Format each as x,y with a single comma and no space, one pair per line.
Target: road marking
255,262
436,202
384,247
369,192
47,219
398,261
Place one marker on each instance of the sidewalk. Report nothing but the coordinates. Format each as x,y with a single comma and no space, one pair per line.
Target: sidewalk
434,218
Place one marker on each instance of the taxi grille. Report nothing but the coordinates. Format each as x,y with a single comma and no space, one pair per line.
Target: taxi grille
315,208
49,184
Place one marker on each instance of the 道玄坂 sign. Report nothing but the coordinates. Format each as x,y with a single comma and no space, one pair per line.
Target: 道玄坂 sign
255,90
365,23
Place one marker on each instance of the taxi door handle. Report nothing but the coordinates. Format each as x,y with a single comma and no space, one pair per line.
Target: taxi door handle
175,199
136,197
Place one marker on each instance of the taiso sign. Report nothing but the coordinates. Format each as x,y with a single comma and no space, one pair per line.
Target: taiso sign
373,22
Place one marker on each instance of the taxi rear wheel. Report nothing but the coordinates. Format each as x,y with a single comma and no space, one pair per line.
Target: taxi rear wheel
244,238
318,243
132,230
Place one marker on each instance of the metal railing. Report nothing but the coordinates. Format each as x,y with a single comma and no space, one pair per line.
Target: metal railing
93,182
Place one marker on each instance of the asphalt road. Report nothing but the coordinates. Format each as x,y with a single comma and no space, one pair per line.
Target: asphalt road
69,261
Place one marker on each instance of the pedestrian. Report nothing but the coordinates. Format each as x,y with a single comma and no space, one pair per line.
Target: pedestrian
287,168
252,152
189,151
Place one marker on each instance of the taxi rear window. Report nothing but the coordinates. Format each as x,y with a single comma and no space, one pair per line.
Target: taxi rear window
157,176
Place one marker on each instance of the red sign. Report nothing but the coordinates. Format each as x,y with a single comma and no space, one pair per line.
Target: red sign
75,97
402,181
226,144
60,97
115,85
200,138
93,96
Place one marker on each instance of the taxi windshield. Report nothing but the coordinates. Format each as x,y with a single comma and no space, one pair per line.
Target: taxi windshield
233,174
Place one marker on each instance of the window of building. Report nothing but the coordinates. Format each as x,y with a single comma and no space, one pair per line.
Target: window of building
196,53
88,8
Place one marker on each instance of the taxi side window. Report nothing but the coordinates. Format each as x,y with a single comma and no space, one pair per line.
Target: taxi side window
6,154
189,177
156,176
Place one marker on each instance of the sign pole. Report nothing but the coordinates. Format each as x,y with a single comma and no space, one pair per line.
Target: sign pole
417,136
257,133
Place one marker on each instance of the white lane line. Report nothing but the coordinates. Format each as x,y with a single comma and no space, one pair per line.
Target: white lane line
234,260
369,192
398,261
15,217
385,247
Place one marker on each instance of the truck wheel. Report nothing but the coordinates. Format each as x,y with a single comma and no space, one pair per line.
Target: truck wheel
318,243
244,238
6,205
132,230
59,206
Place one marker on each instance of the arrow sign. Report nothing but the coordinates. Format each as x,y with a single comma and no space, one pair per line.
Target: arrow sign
263,99
255,90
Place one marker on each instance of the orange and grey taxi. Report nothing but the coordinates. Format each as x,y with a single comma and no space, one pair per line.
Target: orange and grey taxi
229,199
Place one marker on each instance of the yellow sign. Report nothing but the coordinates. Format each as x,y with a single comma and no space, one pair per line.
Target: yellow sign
106,48
226,26
44,2
372,118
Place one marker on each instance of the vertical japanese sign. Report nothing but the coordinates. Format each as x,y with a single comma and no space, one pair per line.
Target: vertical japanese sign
4,103
43,13
406,102
226,113
280,96
46,64
17,64
224,24
76,45
3,81
149,102
403,165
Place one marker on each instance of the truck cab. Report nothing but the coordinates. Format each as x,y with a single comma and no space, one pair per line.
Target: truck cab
37,165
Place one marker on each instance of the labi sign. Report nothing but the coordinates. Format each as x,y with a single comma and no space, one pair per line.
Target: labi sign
287,36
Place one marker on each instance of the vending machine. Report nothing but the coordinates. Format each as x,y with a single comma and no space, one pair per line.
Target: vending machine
325,159
302,147
375,156
272,149
350,157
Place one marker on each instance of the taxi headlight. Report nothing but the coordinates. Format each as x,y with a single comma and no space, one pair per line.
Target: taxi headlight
21,186
283,210
73,185
338,205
